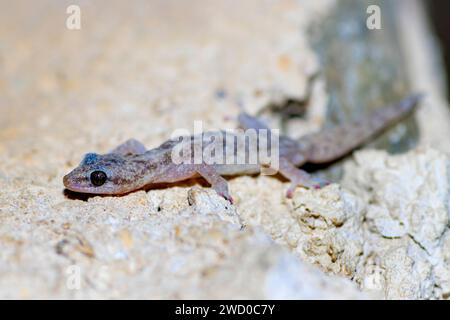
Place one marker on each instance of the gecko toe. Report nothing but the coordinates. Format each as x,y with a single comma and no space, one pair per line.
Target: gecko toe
227,197
320,183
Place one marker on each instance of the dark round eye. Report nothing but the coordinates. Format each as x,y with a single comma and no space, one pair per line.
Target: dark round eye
98,178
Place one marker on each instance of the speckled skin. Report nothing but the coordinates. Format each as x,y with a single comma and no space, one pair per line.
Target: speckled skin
130,167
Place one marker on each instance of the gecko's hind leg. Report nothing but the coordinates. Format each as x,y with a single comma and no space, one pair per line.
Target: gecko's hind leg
217,182
131,146
247,121
298,177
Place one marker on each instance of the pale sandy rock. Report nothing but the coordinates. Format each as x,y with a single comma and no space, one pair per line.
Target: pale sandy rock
386,227
442,267
209,202
407,195
290,280
123,247
406,221
320,226
141,73
330,226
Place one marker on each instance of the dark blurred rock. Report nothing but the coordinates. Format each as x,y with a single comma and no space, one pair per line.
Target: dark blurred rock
363,69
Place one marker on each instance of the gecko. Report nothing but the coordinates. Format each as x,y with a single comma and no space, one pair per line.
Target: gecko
130,166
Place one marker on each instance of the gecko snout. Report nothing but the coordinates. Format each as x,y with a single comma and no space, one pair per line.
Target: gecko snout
70,181
66,180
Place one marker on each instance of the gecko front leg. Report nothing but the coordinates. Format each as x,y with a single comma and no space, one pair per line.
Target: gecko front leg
217,182
131,146
298,177
174,173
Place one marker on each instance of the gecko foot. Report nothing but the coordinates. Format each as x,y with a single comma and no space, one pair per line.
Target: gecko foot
299,178
218,183
315,184
319,183
227,197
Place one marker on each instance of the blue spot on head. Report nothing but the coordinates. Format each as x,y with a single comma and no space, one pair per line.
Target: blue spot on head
221,94
89,158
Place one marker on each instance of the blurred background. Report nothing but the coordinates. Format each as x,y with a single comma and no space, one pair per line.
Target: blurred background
439,16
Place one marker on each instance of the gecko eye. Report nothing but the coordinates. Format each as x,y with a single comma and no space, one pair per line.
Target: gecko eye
98,178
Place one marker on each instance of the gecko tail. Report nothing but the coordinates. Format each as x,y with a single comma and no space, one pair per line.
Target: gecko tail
387,116
410,102
333,143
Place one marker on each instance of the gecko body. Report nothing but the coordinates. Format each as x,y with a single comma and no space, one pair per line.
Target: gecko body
131,167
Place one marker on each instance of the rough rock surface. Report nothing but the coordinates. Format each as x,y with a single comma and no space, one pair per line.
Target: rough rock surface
131,72
406,224
386,227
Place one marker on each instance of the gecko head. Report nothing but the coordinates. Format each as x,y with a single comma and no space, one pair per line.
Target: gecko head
102,174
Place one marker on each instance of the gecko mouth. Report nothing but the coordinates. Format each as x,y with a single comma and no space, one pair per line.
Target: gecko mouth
71,184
